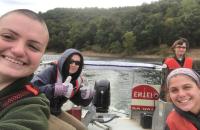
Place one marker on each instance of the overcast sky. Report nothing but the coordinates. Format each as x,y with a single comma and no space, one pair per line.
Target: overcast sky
44,5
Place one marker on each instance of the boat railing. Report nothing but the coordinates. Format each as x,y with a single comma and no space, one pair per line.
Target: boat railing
114,64
160,114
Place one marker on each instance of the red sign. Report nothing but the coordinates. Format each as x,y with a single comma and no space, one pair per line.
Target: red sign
143,97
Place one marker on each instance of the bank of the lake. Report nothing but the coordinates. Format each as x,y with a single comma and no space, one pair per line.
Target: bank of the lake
194,53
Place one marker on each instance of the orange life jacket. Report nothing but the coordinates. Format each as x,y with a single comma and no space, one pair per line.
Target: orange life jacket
176,122
173,64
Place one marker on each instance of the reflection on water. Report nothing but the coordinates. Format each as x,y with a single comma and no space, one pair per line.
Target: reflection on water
121,80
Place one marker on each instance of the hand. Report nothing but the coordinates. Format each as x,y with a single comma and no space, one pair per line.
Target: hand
64,89
69,87
164,66
86,92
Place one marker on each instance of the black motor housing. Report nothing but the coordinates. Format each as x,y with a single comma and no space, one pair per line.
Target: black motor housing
101,98
146,120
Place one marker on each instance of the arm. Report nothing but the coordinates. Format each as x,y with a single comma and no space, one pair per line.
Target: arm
78,100
84,95
45,81
57,93
30,113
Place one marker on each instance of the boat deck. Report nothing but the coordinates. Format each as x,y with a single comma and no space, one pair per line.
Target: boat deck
118,124
123,122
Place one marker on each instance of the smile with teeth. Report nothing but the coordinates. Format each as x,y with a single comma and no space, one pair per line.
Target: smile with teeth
13,60
184,101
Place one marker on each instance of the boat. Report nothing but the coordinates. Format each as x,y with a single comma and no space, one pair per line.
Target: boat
146,110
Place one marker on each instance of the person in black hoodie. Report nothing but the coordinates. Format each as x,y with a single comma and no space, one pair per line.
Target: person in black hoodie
62,81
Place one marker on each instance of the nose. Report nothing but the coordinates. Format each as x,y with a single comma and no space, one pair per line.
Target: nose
18,49
181,93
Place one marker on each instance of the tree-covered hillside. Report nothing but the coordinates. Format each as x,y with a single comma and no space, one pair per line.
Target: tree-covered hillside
129,30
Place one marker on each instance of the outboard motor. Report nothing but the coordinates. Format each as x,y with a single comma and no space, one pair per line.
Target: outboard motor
101,98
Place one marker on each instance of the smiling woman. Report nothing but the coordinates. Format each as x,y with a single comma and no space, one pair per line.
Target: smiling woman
183,87
21,51
20,54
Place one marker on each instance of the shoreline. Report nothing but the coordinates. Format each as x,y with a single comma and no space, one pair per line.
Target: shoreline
194,53
119,56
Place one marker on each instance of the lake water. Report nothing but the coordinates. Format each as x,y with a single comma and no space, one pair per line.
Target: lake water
121,79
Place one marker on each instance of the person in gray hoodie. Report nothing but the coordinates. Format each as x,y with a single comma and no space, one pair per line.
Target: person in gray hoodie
62,81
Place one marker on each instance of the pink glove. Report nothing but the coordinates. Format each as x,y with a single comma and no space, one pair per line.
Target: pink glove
86,92
64,89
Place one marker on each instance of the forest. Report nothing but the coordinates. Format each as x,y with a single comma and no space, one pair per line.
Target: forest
149,28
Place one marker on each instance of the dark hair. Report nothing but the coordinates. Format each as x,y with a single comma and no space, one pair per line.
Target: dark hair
67,64
180,41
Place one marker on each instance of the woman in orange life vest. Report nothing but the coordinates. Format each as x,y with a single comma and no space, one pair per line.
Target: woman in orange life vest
179,60
183,90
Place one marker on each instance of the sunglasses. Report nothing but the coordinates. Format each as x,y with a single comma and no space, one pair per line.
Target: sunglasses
75,62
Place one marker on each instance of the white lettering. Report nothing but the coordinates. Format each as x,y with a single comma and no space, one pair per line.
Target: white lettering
144,95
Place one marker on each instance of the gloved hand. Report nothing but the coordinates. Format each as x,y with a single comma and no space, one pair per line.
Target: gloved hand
69,87
86,92
64,89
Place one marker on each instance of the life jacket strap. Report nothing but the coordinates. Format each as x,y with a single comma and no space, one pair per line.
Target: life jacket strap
28,91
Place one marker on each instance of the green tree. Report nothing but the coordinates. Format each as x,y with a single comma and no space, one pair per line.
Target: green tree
129,40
